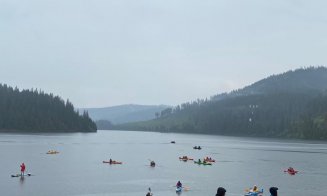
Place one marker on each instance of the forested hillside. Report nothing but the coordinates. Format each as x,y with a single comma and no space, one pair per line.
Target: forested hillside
291,105
32,110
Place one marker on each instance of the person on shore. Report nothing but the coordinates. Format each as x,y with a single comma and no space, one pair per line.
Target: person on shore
221,191
22,169
273,191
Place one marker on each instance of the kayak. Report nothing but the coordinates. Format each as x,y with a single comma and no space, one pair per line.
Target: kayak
19,175
202,163
254,193
291,172
113,162
257,193
179,189
197,148
52,152
210,161
185,159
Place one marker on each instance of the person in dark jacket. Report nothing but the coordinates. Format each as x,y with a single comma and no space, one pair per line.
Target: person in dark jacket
273,191
221,191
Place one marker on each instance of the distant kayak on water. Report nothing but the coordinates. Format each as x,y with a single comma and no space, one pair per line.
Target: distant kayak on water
291,171
113,162
202,163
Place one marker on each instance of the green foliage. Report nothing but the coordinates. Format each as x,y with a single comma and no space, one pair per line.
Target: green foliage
287,105
33,110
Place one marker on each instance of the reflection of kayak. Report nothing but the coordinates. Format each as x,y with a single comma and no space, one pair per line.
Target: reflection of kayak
19,175
202,163
52,152
179,189
113,162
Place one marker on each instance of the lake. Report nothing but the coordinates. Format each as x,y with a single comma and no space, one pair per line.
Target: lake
78,169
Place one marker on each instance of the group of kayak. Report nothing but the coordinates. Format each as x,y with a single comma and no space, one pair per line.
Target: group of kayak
205,161
222,191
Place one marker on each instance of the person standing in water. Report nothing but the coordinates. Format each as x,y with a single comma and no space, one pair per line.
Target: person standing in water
22,169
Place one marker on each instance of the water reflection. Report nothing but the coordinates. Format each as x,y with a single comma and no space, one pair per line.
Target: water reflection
21,180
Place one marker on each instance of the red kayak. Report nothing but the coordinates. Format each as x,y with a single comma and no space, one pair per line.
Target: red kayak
290,172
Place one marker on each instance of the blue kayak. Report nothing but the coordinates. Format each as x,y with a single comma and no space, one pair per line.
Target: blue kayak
179,189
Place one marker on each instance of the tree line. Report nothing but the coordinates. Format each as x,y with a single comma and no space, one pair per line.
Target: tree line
34,110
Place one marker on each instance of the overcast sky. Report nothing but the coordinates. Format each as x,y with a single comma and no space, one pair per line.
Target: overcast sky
108,52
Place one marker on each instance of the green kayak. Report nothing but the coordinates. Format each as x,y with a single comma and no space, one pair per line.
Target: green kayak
202,163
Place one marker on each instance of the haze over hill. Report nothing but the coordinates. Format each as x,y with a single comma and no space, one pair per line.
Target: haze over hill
125,113
292,104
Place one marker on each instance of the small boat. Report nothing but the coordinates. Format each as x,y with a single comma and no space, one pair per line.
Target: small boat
253,192
209,160
52,152
185,158
172,142
112,162
197,147
179,189
202,163
152,164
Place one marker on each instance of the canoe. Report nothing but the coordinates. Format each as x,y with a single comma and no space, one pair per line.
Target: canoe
113,162
202,163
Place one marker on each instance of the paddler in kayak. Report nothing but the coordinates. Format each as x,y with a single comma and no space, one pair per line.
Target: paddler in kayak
22,169
179,184
110,161
149,193
291,170
273,191
152,164
221,191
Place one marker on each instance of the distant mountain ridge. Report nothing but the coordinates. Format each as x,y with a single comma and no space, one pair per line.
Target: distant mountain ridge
292,105
306,80
125,113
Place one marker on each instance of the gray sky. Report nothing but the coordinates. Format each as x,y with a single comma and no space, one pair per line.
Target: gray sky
108,52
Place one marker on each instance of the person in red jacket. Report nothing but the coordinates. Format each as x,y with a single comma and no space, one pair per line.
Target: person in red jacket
22,169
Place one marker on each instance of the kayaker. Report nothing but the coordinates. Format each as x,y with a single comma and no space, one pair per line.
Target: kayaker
221,191
179,184
273,191
149,193
199,160
290,169
152,164
110,161
255,188
22,169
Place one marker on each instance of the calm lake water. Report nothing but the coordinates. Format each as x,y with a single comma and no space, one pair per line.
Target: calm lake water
78,168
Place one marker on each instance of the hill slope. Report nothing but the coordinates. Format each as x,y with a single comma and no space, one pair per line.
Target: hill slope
32,110
279,106
125,113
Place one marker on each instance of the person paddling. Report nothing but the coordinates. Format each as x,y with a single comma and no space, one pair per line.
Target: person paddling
149,193
273,191
179,184
22,169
